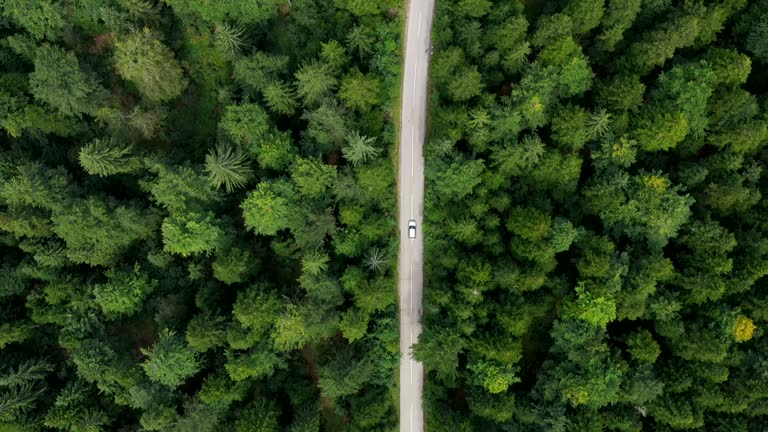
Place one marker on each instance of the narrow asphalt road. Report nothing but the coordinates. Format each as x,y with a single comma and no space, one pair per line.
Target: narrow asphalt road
413,114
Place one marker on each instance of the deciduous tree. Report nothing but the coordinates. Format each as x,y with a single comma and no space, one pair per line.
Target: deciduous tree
145,61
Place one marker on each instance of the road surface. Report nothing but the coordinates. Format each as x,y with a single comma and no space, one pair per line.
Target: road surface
411,196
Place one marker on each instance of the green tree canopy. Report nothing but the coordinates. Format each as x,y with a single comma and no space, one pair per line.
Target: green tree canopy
145,61
59,82
170,361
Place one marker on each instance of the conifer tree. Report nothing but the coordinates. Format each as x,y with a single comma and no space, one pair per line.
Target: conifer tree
227,167
104,157
360,149
170,361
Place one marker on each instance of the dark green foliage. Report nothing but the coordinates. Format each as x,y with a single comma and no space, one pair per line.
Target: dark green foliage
258,417
326,128
198,416
594,235
621,93
595,222
18,401
28,371
257,71
233,265
205,332
74,411
442,344
250,13
11,283
59,82
756,28
182,186
619,16
96,231
586,14
307,419
20,387
344,376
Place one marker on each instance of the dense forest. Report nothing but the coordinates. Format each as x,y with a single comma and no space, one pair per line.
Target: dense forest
596,233
197,215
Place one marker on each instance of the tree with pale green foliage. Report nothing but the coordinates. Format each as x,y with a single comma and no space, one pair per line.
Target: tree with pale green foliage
248,124
145,61
43,19
361,40
229,40
494,377
219,391
124,292
312,177
256,309
107,157
205,332
360,92
192,233
314,81
360,149
269,208
598,124
227,167
290,329
354,324
170,361
254,364
334,55
15,332
280,97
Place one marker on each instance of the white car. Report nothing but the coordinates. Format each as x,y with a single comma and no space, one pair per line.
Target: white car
412,229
